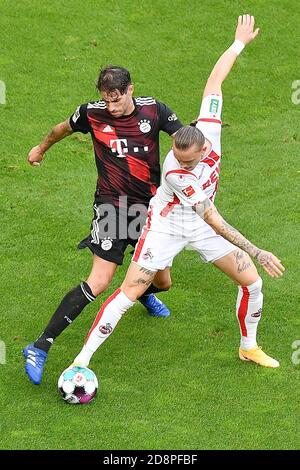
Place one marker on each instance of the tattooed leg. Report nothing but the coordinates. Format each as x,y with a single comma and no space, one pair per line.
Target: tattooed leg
239,267
135,284
137,281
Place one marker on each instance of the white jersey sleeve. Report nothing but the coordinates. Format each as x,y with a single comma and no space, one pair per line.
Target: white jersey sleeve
209,120
186,187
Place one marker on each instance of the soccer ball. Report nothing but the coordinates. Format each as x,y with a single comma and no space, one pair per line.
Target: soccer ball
78,385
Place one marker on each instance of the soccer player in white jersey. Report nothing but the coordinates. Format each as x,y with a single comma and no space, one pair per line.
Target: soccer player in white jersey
182,213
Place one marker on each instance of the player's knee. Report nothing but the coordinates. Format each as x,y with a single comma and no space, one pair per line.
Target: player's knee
163,280
98,284
249,276
164,284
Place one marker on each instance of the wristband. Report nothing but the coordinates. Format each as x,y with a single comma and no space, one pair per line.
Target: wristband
237,46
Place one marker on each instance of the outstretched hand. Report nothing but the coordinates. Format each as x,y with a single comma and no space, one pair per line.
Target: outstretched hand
271,264
245,29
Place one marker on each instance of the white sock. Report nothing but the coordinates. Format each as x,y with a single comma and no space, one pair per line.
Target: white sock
107,319
248,311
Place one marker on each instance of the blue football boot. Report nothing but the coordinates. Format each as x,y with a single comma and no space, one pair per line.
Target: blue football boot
155,307
35,363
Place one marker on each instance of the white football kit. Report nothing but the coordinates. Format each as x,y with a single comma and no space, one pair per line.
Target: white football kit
172,224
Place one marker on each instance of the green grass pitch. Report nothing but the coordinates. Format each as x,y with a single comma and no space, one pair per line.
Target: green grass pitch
165,384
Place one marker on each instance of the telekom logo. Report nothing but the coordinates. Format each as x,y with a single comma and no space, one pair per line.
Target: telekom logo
120,147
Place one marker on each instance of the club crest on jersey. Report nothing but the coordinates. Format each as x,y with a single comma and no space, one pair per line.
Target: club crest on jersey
106,244
145,126
189,191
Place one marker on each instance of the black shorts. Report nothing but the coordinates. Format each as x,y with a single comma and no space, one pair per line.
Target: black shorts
112,230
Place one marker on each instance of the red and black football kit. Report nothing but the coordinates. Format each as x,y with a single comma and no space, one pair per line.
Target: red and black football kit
127,159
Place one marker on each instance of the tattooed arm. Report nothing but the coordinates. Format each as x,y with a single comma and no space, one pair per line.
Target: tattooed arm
208,212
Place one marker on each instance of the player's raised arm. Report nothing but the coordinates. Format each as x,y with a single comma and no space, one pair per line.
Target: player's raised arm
244,34
208,211
59,132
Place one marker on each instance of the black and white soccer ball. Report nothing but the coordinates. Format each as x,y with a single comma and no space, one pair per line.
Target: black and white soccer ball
78,385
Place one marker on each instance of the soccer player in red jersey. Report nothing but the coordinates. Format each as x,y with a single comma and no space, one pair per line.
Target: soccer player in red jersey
125,134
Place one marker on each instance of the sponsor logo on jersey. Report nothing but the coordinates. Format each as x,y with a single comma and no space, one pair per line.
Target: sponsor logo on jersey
76,115
256,314
214,106
148,254
189,191
145,126
106,244
105,329
173,117
119,146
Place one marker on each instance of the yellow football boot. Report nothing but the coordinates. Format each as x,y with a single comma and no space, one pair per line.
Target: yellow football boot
257,355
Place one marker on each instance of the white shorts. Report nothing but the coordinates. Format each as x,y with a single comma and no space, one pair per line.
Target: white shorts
156,250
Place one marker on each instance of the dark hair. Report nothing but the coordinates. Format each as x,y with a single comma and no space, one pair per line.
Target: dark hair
113,78
188,136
